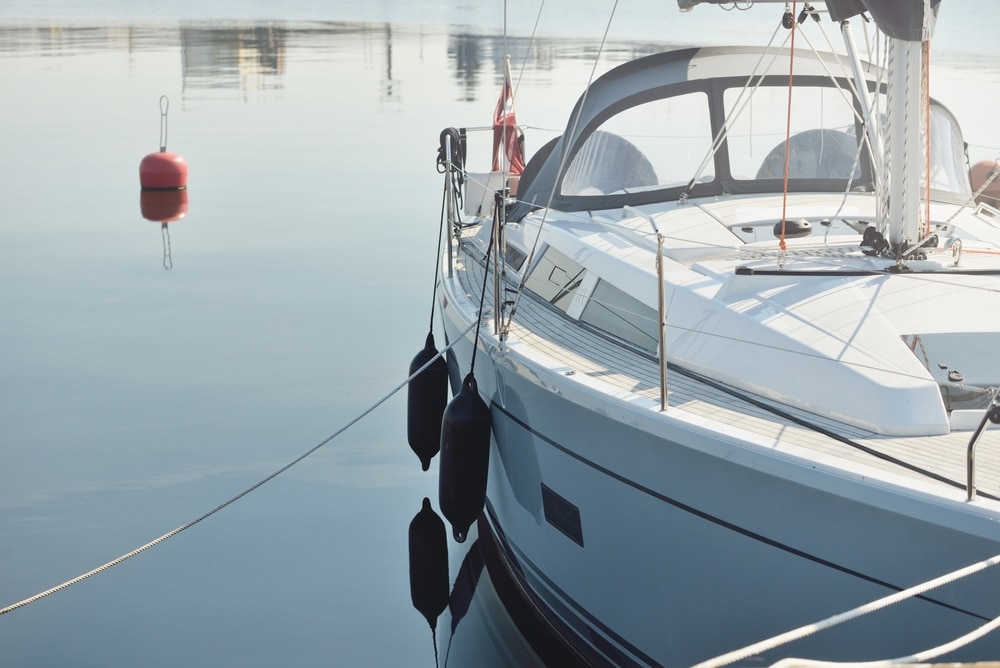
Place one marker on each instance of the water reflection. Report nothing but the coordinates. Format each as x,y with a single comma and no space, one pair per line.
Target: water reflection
253,56
241,58
479,622
428,544
164,207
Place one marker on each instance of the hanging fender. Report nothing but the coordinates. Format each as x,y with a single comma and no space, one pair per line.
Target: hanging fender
465,456
427,396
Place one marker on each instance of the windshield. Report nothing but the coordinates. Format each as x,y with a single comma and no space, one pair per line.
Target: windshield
822,143
650,146
662,144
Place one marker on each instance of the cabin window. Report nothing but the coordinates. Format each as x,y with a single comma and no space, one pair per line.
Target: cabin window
514,257
822,142
555,278
655,145
617,313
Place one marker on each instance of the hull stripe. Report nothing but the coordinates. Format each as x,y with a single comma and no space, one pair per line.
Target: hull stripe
726,524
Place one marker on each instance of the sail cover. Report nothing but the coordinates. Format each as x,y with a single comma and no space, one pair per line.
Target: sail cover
910,20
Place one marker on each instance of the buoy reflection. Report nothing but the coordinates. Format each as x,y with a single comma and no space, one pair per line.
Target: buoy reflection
164,207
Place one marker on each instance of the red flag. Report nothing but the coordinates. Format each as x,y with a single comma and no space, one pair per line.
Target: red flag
505,132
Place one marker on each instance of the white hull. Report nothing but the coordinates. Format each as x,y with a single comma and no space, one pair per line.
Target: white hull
733,375
696,543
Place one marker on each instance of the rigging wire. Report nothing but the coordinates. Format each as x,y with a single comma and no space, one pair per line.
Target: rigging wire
741,101
437,255
482,296
531,42
272,476
562,163
788,131
925,93
972,198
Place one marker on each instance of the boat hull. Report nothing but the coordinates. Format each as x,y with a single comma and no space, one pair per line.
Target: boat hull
657,540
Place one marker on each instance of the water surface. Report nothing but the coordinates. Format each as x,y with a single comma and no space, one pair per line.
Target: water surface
152,372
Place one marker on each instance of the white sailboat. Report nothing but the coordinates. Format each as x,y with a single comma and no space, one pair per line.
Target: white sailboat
738,344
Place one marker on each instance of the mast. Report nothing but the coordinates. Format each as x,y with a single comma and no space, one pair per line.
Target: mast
905,154
907,24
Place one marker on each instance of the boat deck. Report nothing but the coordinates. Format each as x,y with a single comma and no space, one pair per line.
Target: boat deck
935,460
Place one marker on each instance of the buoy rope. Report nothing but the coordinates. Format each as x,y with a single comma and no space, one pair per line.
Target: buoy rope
171,534
168,260
810,629
164,108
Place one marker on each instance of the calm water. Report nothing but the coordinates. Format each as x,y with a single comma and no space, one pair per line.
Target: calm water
149,373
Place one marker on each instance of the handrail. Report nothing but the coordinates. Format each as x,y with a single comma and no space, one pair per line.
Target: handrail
661,307
992,414
449,203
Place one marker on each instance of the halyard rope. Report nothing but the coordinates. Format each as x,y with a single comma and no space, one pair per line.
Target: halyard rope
810,629
171,534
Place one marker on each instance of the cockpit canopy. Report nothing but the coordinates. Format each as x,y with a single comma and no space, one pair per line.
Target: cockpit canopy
697,123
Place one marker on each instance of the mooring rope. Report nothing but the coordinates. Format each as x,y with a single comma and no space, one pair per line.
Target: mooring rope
171,534
810,629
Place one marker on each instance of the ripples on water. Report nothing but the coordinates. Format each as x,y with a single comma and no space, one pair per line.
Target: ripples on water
151,372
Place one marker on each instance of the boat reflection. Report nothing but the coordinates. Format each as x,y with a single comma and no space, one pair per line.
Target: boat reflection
489,621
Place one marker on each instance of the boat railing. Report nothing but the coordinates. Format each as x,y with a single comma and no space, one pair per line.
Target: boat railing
992,414
451,194
661,304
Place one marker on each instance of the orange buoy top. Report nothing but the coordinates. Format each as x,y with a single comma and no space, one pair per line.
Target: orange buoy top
163,171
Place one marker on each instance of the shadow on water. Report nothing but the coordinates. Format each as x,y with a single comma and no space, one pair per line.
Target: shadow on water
490,621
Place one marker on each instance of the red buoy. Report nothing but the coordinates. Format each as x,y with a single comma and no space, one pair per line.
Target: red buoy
163,170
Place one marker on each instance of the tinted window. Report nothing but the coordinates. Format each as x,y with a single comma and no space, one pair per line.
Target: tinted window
617,313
